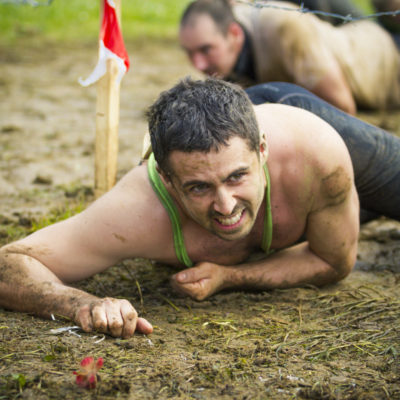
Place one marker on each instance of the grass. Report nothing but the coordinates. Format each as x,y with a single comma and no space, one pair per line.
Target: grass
364,5
56,215
76,20
11,230
76,199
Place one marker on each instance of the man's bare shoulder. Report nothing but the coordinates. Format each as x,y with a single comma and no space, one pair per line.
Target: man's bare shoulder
132,213
306,150
132,193
286,125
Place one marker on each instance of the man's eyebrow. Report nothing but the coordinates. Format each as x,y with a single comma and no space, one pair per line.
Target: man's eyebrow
194,182
199,182
237,171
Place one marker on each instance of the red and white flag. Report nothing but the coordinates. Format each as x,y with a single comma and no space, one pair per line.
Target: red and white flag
111,46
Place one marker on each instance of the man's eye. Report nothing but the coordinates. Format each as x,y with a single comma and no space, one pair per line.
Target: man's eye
205,50
198,189
236,177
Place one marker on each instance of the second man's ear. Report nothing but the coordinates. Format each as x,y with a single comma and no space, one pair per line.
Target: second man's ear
235,29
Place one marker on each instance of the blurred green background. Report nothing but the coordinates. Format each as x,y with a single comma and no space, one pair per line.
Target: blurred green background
71,20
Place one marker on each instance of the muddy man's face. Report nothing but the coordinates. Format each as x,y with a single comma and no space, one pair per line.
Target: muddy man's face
221,190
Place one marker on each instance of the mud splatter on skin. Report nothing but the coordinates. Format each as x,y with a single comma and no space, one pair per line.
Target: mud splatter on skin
18,248
39,296
336,185
119,237
32,297
8,272
42,298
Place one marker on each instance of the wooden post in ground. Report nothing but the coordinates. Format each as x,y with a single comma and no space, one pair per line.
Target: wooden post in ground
107,120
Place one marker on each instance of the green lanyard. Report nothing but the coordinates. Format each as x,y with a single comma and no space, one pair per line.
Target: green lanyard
267,233
169,205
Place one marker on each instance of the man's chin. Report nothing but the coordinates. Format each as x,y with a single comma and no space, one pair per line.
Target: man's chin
231,236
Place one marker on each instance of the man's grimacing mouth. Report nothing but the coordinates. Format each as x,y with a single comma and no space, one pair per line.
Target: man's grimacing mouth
229,221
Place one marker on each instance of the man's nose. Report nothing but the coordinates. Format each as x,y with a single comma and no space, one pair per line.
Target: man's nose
200,62
224,202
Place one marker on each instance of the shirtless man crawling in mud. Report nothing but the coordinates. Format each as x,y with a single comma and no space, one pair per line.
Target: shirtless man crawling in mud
227,179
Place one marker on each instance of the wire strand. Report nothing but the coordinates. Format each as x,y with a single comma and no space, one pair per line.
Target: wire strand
32,3
304,10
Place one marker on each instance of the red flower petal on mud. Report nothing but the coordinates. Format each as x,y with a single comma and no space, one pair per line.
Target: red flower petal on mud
86,361
87,375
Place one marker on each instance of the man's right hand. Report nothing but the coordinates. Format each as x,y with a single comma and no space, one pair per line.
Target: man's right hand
116,317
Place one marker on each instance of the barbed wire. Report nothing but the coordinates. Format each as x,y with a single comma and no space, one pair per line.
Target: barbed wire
255,3
302,9
32,3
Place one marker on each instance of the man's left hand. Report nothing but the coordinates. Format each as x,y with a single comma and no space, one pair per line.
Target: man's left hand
200,281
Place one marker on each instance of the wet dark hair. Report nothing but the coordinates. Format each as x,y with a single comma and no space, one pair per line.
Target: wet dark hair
220,12
200,115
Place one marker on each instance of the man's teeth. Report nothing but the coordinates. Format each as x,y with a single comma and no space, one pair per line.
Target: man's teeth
230,220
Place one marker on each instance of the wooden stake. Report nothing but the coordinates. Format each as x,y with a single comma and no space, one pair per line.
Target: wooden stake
107,120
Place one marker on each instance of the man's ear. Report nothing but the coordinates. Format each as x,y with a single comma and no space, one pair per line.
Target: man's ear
166,178
263,149
236,31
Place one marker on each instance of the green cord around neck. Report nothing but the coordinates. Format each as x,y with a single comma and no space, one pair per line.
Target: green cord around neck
169,205
267,232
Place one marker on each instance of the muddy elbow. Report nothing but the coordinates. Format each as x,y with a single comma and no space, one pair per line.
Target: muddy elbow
344,268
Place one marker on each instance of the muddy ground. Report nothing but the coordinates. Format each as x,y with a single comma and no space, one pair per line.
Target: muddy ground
339,342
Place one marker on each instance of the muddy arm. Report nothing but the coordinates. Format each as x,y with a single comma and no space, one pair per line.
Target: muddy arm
26,285
335,90
327,257
292,267
35,271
